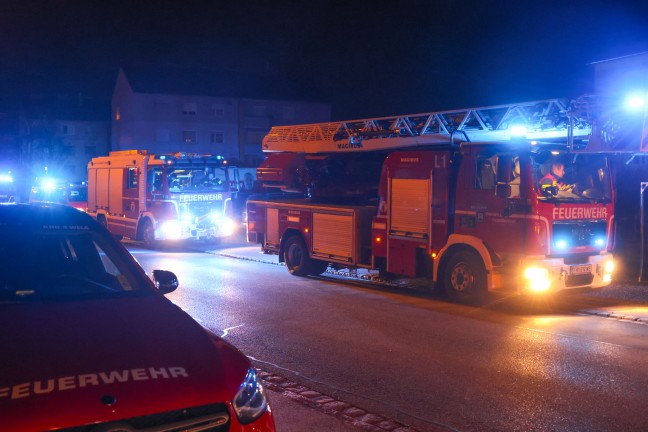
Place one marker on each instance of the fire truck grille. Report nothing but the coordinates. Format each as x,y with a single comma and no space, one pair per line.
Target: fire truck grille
206,418
573,234
579,280
200,209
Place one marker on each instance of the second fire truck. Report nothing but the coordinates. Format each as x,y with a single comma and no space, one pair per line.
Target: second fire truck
151,197
453,196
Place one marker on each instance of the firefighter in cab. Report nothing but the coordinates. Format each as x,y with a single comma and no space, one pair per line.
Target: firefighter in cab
552,183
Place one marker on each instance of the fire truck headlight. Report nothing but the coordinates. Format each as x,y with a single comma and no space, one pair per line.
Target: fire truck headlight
227,226
250,402
171,229
606,270
537,279
609,266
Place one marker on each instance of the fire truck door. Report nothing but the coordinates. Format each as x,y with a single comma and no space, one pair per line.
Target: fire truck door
484,214
115,188
272,227
409,210
131,193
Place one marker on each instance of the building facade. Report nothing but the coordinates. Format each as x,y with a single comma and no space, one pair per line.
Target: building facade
53,135
168,120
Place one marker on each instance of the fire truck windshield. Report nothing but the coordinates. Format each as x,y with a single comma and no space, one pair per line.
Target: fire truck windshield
198,179
569,177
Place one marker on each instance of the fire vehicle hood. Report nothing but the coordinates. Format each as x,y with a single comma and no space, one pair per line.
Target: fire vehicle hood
67,363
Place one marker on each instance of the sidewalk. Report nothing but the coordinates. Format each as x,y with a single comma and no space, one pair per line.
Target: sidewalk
299,409
293,416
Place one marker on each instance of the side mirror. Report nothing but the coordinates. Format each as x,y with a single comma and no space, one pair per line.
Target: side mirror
165,281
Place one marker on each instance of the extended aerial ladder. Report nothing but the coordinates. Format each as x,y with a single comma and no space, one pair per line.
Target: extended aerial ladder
544,120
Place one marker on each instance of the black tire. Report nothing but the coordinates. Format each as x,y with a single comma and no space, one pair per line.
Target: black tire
147,234
296,256
464,278
317,267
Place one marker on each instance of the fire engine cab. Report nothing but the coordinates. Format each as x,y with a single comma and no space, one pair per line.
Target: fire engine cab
415,196
151,197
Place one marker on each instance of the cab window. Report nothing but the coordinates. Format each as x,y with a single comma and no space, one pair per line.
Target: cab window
132,178
485,177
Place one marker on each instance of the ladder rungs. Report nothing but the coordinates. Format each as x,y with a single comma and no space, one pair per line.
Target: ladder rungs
547,119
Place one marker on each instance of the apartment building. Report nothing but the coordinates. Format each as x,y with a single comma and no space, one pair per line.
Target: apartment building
196,112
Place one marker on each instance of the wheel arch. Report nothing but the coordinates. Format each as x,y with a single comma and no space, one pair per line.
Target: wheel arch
459,242
282,244
142,221
102,219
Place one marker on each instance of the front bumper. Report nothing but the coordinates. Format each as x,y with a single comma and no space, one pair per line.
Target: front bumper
551,275
177,230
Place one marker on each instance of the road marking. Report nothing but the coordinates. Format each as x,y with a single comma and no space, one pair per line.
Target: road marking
226,331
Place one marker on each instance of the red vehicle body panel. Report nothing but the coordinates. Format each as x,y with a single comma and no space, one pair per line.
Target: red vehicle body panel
434,203
56,371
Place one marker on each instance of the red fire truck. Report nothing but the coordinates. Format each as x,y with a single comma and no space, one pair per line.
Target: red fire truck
152,197
415,196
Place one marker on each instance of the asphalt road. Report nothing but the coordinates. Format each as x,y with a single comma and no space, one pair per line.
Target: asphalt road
419,359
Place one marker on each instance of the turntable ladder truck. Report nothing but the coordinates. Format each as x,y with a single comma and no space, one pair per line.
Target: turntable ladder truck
449,196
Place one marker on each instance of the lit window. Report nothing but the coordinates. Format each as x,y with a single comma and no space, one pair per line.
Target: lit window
132,178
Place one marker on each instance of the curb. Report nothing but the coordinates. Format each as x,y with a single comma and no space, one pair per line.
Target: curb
349,414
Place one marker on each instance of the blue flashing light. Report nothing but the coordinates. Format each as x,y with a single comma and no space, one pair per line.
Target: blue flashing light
48,185
599,241
635,102
561,244
518,131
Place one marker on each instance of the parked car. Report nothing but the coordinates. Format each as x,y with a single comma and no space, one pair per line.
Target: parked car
89,342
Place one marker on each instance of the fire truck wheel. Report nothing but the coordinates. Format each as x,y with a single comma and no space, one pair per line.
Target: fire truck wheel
296,256
148,234
465,278
317,267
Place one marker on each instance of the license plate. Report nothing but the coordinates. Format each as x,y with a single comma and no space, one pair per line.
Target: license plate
582,269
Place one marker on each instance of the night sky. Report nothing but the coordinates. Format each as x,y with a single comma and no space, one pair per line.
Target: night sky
366,58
